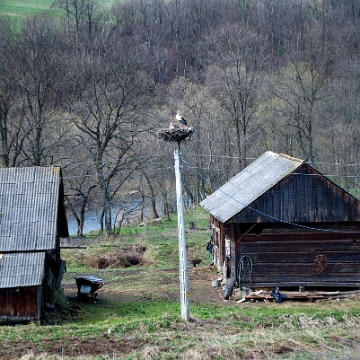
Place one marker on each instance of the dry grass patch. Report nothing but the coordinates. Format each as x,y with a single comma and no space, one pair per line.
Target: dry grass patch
119,258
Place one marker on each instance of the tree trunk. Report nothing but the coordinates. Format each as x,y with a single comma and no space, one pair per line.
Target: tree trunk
153,196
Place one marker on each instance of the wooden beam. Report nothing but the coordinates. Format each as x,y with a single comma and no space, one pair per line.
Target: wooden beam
309,236
246,232
315,246
303,257
74,247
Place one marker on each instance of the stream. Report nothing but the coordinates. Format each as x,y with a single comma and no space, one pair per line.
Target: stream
132,213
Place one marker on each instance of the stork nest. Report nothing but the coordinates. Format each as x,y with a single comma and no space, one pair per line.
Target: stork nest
175,134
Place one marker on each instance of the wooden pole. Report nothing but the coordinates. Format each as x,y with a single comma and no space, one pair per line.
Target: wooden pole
184,302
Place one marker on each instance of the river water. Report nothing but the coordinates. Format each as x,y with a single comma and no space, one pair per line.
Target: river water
91,222
132,213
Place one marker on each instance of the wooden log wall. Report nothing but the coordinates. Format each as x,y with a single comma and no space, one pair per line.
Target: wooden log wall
302,197
18,305
309,259
219,241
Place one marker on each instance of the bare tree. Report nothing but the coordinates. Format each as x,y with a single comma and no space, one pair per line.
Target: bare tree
79,179
106,108
81,11
301,91
41,51
340,131
11,130
78,202
238,54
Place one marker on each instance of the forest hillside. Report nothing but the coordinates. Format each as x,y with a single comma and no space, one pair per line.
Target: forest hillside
87,87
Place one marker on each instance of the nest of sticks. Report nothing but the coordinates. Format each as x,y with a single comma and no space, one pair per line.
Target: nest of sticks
175,134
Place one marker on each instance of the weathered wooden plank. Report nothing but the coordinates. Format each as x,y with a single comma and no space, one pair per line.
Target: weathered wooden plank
306,236
3,304
300,246
62,269
292,199
298,278
305,295
304,257
290,296
32,311
286,268
306,284
17,304
12,303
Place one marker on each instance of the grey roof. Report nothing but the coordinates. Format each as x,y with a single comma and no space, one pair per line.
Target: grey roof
21,269
91,279
28,208
257,178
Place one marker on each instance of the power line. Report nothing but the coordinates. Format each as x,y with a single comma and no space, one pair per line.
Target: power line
339,164
302,174
253,209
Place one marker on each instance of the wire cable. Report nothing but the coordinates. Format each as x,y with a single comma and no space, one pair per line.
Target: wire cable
244,269
253,209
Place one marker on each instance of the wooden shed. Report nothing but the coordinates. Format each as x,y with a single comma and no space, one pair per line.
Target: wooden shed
32,220
281,223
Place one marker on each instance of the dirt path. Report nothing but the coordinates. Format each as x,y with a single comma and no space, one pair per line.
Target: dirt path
167,288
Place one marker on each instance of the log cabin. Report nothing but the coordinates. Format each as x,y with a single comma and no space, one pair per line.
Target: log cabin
32,220
281,223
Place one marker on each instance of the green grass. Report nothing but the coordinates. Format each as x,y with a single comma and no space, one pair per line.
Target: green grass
161,242
230,332
138,314
22,8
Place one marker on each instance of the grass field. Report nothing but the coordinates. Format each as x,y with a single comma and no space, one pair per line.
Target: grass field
137,314
22,8
25,7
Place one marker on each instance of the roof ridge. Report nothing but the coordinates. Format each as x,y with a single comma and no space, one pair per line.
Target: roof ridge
291,157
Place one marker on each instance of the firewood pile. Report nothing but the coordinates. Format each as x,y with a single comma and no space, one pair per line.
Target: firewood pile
266,296
175,134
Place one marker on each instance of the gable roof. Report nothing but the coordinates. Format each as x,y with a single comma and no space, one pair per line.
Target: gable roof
31,209
257,178
21,269
278,187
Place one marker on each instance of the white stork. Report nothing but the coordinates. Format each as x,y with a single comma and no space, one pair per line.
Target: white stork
180,118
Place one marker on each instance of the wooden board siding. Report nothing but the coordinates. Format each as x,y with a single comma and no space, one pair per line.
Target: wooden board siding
19,305
304,236
214,222
218,231
275,207
299,246
301,197
235,257
287,263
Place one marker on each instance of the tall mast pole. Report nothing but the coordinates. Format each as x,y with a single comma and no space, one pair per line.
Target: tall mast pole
184,301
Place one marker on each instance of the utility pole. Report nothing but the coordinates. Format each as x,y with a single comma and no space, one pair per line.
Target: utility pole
184,301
